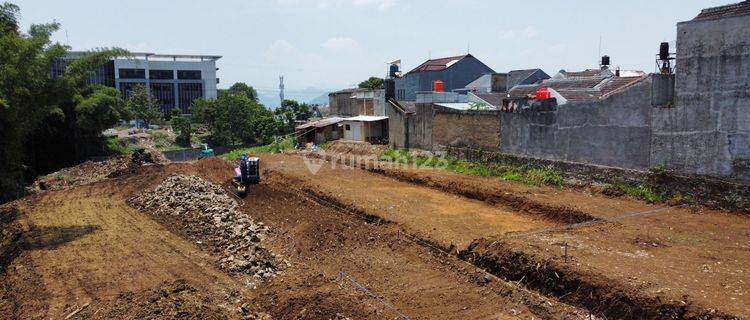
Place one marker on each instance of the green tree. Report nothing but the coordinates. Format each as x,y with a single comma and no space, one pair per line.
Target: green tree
144,106
181,124
39,114
234,118
290,112
372,83
243,88
101,110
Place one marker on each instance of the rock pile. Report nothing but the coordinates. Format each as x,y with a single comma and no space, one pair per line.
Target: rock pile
208,215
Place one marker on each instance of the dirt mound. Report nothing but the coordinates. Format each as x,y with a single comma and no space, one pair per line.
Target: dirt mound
356,148
172,300
10,234
208,215
92,171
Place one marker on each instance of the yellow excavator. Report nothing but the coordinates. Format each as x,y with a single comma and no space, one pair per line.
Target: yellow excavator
247,173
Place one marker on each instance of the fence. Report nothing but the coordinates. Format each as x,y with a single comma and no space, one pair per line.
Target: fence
194,153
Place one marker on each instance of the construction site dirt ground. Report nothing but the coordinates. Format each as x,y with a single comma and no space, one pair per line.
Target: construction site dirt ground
87,254
684,255
371,245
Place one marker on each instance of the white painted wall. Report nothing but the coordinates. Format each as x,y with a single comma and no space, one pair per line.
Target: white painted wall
355,132
207,68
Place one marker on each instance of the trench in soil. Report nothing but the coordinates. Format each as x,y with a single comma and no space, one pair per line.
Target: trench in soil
520,204
603,297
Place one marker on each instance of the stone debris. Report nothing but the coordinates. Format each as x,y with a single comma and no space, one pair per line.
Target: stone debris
209,215
93,171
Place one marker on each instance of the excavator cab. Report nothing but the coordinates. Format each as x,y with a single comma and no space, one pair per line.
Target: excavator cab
247,173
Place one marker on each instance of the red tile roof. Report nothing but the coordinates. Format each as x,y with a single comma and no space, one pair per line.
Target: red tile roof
737,9
437,64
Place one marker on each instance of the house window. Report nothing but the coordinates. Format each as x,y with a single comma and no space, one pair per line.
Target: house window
347,128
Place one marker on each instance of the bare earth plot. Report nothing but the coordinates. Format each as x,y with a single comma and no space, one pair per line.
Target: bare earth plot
674,263
87,254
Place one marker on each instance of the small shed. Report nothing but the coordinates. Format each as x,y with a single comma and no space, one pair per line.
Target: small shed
372,129
319,131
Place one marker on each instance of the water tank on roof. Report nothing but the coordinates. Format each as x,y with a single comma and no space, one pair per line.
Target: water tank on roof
542,94
605,61
393,70
438,86
664,51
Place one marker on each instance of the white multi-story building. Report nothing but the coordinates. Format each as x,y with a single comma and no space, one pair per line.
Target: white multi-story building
174,80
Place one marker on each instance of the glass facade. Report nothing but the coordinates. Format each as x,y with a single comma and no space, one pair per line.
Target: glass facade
104,74
164,93
161,74
127,87
132,73
189,92
189,74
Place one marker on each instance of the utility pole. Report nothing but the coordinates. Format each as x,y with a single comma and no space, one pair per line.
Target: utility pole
281,88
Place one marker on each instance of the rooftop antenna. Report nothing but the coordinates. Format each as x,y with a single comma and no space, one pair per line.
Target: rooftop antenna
468,47
281,88
600,47
67,40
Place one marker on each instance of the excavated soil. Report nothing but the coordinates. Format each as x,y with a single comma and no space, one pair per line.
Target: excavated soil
633,259
86,253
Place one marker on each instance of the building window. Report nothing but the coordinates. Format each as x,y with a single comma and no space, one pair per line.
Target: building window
347,127
189,92
126,88
161,74
132,74
164,94
188,74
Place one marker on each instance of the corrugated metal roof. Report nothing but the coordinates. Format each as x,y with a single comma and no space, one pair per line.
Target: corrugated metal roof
463,106
366,118
737,9
438,64
493,98
320,123
579,89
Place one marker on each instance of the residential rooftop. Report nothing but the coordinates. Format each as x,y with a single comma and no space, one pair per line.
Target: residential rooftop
731,10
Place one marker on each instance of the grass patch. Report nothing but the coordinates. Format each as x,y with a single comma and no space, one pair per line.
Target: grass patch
644,192
510,172
276,147
114,145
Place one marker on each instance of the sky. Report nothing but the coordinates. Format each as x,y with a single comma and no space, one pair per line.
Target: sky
324,45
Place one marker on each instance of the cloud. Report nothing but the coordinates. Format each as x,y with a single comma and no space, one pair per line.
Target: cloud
341,45
511,34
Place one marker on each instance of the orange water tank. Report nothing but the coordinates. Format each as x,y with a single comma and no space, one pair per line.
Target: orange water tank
438,86
542,94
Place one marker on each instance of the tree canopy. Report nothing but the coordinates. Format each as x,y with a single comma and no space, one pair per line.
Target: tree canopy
290,112
234,118
145,107
46,122
242,88
372,83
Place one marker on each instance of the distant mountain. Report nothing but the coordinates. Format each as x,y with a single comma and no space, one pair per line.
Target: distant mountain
320,100
310,95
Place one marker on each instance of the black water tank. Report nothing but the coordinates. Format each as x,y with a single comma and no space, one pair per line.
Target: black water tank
605,60
664,51
393,70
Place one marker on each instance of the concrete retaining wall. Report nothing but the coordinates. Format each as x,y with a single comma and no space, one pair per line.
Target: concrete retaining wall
708,132
612,132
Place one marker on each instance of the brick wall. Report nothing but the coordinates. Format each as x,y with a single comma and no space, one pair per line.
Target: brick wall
477,129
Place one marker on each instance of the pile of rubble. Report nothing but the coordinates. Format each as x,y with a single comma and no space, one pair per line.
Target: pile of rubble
92,171
208,215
